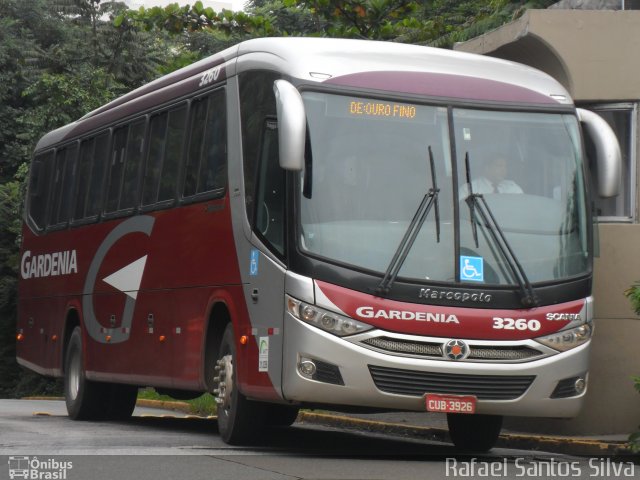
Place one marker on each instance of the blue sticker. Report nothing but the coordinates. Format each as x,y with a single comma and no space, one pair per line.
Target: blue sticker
472,269
253,266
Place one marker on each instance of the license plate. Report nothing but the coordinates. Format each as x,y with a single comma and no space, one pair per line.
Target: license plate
450,403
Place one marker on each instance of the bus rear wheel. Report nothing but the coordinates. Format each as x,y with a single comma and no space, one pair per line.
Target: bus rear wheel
240,421
474,433
121,401
84,398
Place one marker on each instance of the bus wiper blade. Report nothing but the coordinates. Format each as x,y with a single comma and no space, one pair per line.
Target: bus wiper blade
428,201
477,203
474,228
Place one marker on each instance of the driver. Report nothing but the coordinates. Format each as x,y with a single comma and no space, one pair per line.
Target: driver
493,179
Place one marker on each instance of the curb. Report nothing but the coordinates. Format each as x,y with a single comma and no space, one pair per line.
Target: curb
555,444
183,407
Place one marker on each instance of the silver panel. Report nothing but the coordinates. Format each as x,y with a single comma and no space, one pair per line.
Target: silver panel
315,59
299,287
359,389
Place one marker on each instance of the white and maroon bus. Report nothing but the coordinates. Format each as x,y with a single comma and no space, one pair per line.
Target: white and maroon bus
320,223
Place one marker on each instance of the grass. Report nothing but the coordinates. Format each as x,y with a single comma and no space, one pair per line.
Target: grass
204,405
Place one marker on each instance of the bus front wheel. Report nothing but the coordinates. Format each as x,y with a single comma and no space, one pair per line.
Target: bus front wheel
474,433
240,421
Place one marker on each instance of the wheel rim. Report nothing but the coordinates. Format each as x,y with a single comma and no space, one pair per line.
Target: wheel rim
224,392
74,377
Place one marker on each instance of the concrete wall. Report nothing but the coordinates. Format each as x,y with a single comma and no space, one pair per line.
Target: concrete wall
594,55
612,405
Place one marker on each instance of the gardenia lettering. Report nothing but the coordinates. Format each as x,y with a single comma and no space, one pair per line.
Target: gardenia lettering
369,312
48,264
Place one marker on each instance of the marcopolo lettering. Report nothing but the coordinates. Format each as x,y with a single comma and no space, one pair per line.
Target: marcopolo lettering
432,294
369,312
48,264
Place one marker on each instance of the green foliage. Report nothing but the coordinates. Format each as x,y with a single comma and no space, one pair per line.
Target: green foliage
633,294
634,438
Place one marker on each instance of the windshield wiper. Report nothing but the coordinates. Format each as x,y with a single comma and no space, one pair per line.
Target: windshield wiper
477,203
428,201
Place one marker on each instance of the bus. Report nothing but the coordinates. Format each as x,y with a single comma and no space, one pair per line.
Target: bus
320,223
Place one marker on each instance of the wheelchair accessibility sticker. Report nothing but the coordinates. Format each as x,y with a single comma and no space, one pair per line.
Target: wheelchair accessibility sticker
472,269
253,265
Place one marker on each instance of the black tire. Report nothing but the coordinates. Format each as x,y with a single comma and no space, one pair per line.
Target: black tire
85,399
240,421
121,401
474,433
281,415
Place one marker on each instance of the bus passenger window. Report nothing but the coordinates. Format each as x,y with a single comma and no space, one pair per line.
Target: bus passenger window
84,173
135,151
198,121
173,153
157,137
213,167
39,188
206,168
116,169
64,175
98,169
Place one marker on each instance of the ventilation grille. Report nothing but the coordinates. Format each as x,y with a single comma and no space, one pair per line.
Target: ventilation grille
485,387
434,350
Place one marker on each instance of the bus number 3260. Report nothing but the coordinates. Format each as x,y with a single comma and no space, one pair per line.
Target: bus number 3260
500,323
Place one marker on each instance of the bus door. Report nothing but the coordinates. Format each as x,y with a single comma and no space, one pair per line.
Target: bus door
265,289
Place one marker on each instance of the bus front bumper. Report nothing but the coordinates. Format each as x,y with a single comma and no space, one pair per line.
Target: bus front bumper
346,372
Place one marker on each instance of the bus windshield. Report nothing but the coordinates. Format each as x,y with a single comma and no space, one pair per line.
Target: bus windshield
371,169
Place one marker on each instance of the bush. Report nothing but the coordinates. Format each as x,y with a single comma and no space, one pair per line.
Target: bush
633,294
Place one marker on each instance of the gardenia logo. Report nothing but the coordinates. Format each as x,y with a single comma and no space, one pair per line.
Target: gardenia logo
35,469
369,312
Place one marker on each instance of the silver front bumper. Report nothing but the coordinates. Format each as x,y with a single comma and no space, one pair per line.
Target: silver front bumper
359,389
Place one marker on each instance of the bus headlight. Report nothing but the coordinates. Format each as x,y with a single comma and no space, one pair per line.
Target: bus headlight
568,339
324,319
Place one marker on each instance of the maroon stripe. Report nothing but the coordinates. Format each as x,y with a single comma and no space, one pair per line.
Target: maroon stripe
442,85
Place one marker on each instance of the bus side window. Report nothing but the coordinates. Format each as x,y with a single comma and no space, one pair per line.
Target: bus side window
116,168
84,173
166,138
135,152
196,142
64,175
39,188
98,169
213,167
206,166
270,196
173,153
157,140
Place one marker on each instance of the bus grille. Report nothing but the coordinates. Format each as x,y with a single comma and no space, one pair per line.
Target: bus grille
433,350
484,387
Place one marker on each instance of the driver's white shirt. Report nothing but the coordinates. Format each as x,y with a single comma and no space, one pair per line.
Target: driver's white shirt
483,185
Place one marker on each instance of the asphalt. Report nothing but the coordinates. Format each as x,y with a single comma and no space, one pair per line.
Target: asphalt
433,426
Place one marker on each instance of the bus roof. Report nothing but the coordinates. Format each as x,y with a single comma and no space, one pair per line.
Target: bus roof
334,61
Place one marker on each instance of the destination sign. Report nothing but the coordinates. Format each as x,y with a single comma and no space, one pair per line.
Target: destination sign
382,109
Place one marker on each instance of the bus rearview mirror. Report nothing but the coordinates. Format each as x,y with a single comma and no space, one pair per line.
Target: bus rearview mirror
608,157
292,125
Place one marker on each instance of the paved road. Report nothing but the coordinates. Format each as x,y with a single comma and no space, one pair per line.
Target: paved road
154,447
